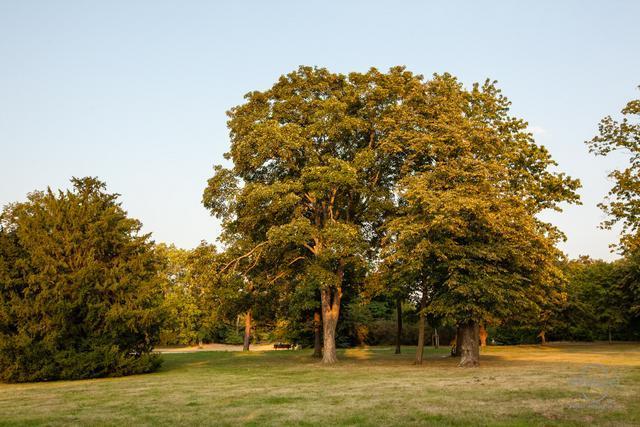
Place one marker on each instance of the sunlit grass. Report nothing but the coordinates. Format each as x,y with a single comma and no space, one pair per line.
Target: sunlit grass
521,385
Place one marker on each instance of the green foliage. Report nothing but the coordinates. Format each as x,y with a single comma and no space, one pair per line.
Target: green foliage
314,162
333,172
205,292
515,333
623,206
629,287
188,281
465,234
233,336
79,290
623,201
593,303
598,299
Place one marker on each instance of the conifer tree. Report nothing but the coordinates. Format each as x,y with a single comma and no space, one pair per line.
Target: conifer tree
79,289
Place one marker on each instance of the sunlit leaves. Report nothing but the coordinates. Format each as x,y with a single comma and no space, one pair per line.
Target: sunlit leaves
79,290
464,232
623,201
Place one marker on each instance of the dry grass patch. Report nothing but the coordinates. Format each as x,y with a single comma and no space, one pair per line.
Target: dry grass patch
519,385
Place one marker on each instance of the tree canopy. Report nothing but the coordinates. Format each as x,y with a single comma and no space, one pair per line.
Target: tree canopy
315,159
465,227
623,201
325,164
79,289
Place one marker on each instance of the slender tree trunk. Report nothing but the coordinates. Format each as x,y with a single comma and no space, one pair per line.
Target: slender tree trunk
398,324
317,330
609,331
455,350
483,336
436,343
247,331
469,340
420,349
543,338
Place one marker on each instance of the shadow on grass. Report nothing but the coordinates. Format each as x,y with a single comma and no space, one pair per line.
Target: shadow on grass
350,357
491,357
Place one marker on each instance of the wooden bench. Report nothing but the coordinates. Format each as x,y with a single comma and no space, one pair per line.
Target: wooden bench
281,345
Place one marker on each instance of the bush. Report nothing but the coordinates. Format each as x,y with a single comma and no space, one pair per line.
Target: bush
383,332
509,334
234,337
79,291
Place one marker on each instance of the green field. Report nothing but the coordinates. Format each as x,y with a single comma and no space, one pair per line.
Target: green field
520,385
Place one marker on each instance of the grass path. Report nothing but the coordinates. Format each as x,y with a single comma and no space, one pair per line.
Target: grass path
521,385
212,347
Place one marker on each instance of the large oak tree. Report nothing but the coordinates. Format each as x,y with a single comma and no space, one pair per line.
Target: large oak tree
465,228
315,159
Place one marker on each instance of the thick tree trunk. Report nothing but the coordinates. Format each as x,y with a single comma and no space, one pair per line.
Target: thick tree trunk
398,324
483,336
420,349
317,330
247,331
330,311
469,344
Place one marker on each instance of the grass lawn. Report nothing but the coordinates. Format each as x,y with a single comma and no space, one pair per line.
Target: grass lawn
520,385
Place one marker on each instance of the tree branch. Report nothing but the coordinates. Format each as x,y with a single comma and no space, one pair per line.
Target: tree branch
282,273
248,254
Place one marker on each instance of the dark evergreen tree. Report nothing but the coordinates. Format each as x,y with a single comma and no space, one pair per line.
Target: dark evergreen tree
79,290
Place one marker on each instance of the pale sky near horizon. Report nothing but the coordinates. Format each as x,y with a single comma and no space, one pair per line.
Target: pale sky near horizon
135,92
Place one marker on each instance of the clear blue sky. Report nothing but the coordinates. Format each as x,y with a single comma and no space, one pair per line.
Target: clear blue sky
135,92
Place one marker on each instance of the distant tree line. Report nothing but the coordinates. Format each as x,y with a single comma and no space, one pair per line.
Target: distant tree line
368,208
598,301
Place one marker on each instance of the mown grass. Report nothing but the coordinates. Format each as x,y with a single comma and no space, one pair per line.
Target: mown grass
520,385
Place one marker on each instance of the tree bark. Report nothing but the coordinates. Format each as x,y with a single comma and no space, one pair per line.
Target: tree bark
455,350
398,324
469,344
483,336
247,331
420,349
330,311
317,342
543,338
